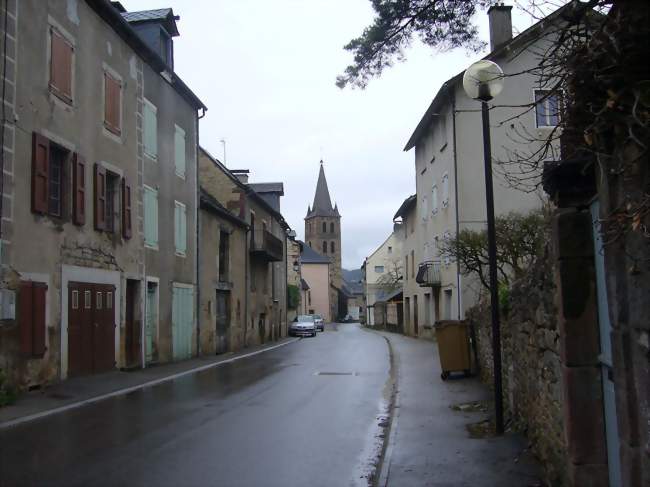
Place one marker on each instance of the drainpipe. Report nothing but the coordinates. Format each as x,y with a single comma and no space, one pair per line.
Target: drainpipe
286,283
4,113
197,245
453,124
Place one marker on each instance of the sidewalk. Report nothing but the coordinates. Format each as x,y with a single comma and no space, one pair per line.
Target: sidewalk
429,444
78,391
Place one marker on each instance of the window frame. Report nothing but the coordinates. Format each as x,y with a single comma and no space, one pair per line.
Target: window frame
434,199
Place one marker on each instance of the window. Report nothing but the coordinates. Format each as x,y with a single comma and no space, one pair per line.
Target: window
309,298
150,130
434,199
112,104
87,298
425,209
112,192
324,227
406,267
61,52
98,301
445,190
332,227
379,269
332,247
547,108
55,181
412,263
150,217
109,300
224,240
324,247
51,188
390,250
180,228
179,151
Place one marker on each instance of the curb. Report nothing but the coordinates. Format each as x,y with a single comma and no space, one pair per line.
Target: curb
121,392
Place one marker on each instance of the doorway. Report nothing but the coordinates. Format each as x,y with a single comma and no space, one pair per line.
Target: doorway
151,322
91,328
222,321
447,304
415,315
132,339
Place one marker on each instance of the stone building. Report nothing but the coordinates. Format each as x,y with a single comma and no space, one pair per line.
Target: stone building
323,234
265,264
72,214
294,278
450,187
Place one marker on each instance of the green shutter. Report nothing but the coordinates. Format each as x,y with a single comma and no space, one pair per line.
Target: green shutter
180,228
150,130
150,217
179,151
182,321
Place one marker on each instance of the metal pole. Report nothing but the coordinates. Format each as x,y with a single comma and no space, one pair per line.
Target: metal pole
492,253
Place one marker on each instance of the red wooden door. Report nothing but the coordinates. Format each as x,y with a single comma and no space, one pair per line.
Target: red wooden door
91,328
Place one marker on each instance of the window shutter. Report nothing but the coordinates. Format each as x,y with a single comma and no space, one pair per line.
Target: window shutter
61,66
151,217
78,190
26,310
112,97
31,317
179,151
100,197
39,291
126,209
40,173
150,131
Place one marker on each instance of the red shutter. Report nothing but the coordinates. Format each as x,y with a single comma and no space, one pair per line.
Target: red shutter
126,209
40,173
112,90
25,312
61,66
78,190
31,317
100,197
39,291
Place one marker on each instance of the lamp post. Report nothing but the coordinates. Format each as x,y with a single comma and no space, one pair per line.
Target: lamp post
482,81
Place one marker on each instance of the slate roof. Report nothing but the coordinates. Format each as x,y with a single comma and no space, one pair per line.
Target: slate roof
322,202
268,188
162,14
310,256
407,204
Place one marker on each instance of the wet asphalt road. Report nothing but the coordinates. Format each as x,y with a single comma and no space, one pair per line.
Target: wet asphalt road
267,420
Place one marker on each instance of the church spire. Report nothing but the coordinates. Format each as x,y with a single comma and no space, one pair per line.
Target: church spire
322,202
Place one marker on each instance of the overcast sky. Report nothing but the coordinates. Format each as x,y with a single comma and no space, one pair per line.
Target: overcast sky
266,71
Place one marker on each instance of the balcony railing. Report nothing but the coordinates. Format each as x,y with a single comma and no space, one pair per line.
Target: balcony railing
266,246
428,274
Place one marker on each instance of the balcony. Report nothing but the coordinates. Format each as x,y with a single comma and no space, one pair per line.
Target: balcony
266,246
428,274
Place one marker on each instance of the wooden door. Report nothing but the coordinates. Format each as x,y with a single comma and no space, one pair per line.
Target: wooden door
131,325
182,321
222,311
91,328
151,322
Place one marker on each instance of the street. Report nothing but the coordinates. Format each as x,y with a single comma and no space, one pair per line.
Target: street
305,414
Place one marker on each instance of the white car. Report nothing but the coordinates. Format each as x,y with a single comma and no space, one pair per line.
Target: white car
320,324
304,325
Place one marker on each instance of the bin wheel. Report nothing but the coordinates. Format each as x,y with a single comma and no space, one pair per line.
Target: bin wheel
444,375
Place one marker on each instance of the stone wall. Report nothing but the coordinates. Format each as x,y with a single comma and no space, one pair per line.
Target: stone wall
532,376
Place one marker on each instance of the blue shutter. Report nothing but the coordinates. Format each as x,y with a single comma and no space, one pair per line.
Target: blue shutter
150,130
150,217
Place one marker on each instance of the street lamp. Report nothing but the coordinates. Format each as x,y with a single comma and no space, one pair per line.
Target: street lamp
482,81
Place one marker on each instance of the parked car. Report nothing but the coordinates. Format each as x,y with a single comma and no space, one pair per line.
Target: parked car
303,325
320,323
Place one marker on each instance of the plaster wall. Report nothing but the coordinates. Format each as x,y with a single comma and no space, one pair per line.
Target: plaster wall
35,244
317,276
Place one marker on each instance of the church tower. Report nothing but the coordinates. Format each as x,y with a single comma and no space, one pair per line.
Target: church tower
323,233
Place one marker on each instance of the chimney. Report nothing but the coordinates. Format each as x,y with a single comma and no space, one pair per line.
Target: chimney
241,174
500,25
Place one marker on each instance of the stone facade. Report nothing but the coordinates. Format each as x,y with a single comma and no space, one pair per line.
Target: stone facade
532,372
